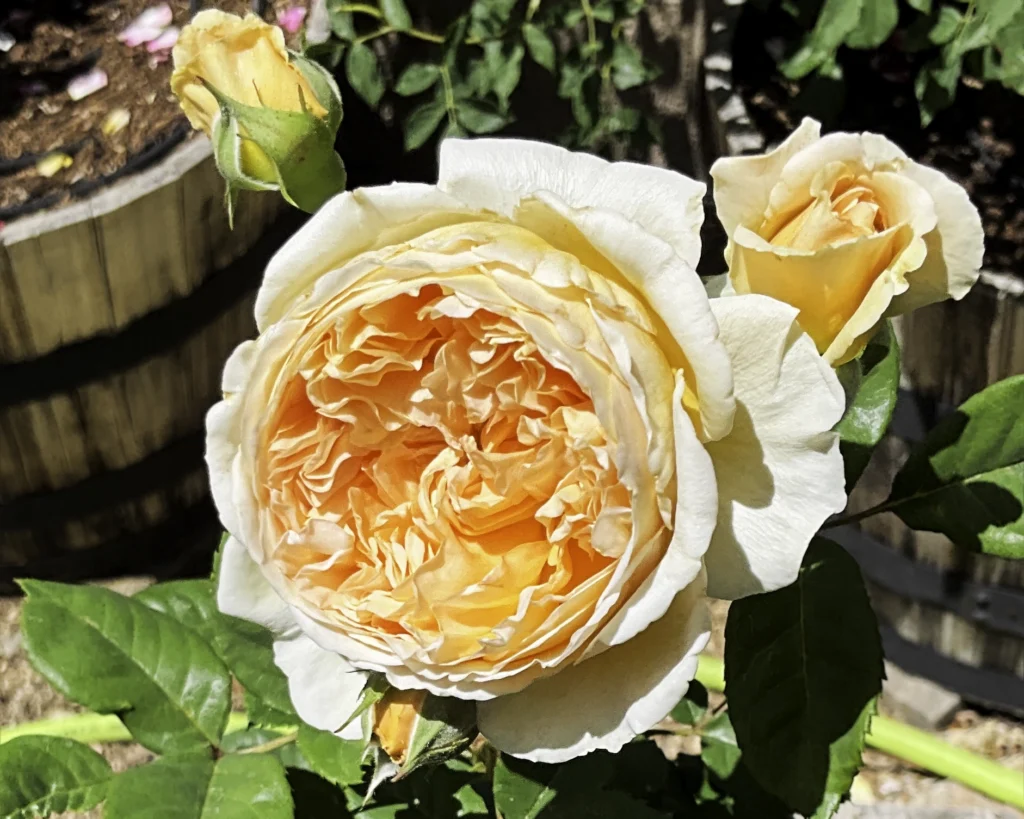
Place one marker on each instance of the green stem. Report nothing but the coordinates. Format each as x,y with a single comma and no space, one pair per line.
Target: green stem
373,35
449,95
843,520
920,749
424,35
588,13
361,8
272,745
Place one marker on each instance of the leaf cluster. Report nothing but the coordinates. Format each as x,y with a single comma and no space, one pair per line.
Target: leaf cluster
947,39
465,80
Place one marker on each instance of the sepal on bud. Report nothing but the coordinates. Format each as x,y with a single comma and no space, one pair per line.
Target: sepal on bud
415,728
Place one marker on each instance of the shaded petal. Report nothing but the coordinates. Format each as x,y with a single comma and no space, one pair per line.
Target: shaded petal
779,472
605,701
496,174
347,225
324,687
955,247
743,184
243,591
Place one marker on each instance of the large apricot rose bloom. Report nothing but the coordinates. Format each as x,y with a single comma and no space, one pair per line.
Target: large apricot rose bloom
847,229
494,442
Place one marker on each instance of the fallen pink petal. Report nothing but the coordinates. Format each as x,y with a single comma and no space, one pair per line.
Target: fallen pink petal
147,26
291,18
85,84
165,42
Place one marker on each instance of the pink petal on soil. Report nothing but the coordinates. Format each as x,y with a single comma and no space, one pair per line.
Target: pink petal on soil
165,42
147,26
291,18
85,84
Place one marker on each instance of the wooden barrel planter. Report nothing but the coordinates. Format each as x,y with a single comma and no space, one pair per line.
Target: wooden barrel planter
955,617
116,316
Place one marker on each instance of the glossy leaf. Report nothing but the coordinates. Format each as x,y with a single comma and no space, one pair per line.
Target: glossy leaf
876,378
115,655
417,77
396,14
40,776
845,755
540,46
877,22
422,122
337,760
693,706
801,664
966,479
193,786
363,73
478,119
244,647
836,20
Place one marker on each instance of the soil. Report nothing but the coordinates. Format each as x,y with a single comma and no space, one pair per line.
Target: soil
979,141
60,39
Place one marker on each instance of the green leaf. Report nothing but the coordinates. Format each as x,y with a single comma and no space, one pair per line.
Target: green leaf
966,479
115,655
628,69
540,46
693,706
877,375
193,786
44,775
245,648
288,754
478,119
923,6
932,30
719,749
877,22
417,77
801,664
936,84
342,24
835,21
315,797
363,73
523,789
844,761
337,760
396,14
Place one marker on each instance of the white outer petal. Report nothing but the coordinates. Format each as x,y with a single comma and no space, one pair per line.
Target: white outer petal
324,688
347,225
603,702
223,433
743,184
779,472
496,174
955,247
243,591
695,514
675,292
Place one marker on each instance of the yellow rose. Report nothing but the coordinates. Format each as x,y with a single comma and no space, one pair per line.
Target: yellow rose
847,229
494,442
246,61
394,719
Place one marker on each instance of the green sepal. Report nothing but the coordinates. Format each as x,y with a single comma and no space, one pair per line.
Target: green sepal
324,87
444,728
376,687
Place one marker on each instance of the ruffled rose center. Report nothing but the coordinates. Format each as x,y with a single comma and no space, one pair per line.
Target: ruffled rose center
843,207
431,477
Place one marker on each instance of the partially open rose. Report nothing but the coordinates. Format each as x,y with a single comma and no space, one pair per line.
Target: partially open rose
494,442
847,229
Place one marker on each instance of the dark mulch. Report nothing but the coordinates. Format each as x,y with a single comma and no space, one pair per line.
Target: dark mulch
977,142
57,40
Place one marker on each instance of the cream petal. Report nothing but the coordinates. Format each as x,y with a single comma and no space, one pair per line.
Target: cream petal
223,433
323,686
695,514
674,291
497,174
831,286
345,226
603,702
955,247
862,152
243,591
779,472
743,184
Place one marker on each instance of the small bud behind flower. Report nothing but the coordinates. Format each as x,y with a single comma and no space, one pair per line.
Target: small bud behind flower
272,115
415,728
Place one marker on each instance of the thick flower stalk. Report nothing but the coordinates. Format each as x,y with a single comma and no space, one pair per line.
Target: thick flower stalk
495,443
848,229
272,114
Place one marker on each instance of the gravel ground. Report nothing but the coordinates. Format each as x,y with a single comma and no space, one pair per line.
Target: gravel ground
884,784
